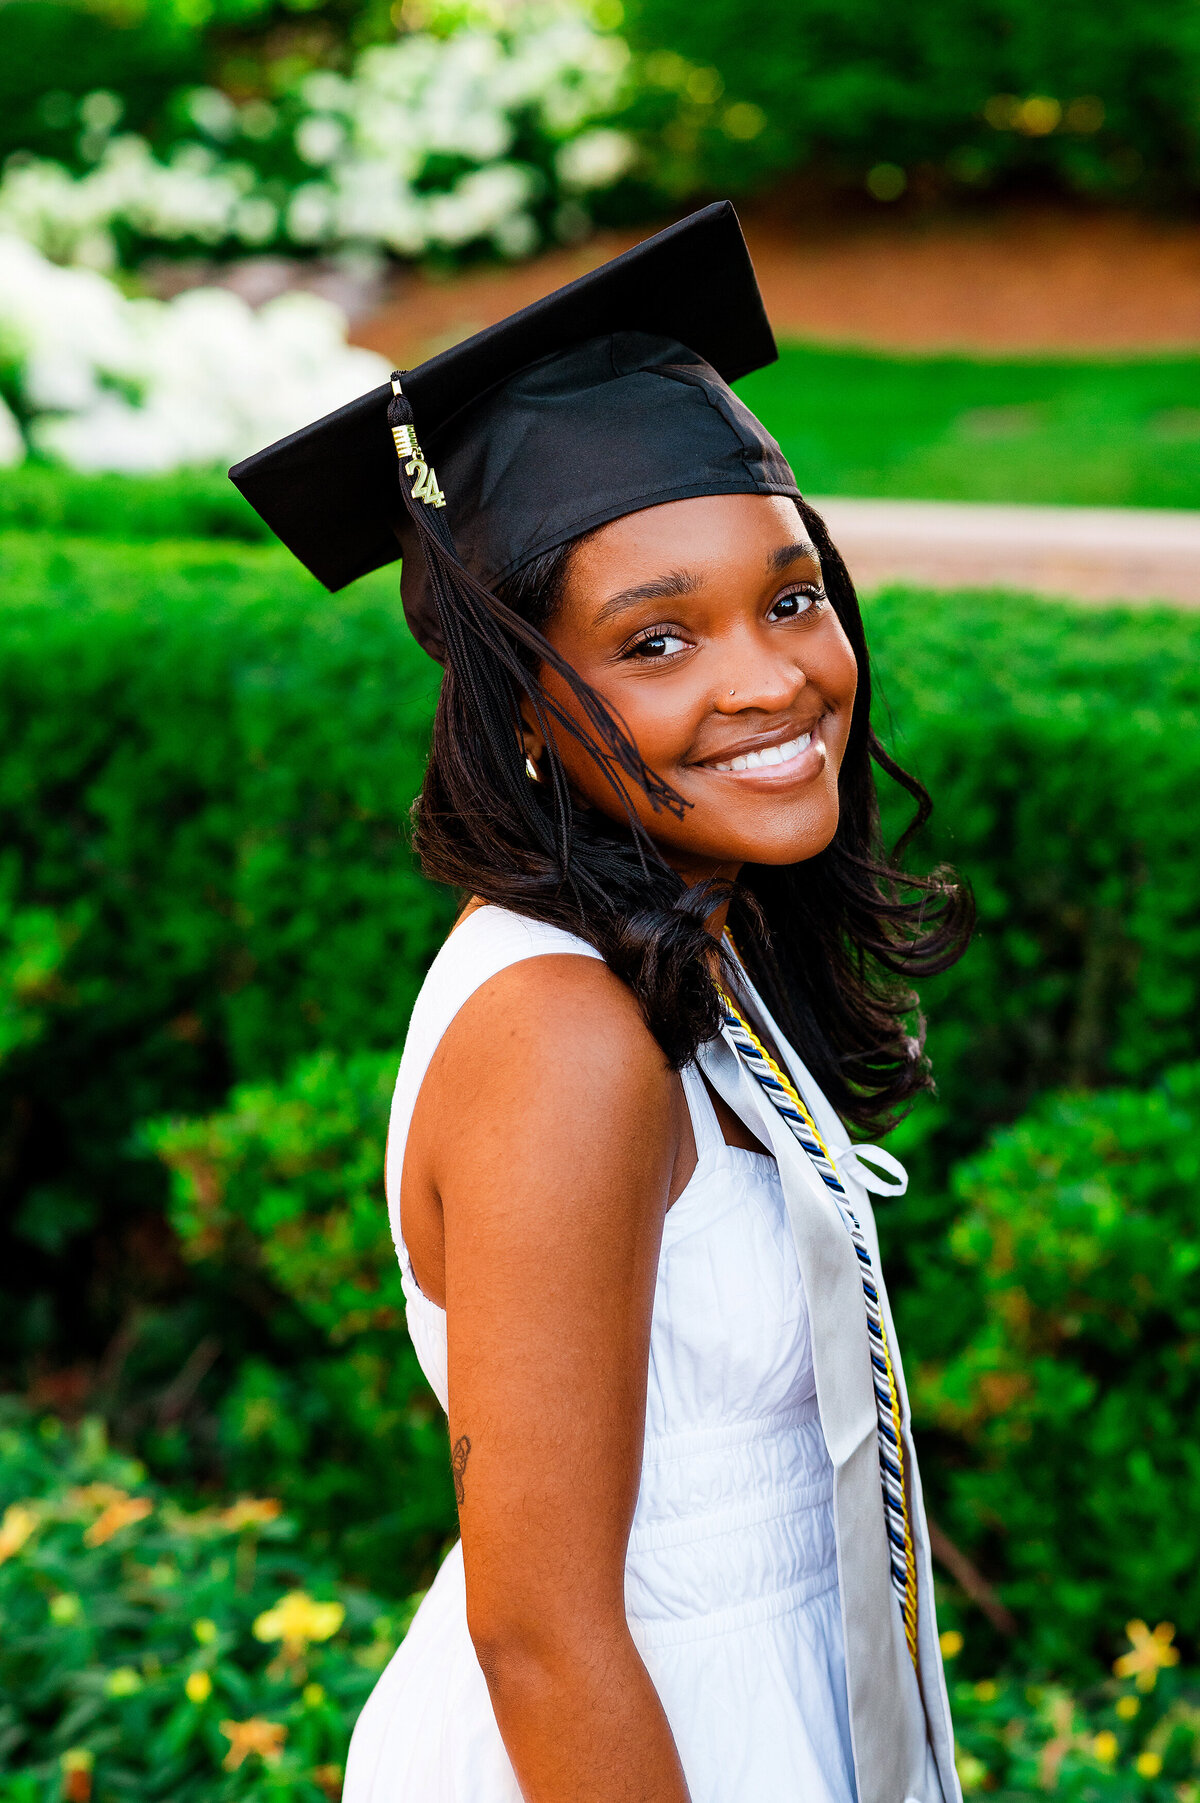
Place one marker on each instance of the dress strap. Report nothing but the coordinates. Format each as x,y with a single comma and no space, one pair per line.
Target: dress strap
705,1126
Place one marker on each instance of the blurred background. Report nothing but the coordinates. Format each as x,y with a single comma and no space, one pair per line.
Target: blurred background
222,1481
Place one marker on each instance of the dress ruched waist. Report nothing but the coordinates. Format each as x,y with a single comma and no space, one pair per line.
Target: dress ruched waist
734,1525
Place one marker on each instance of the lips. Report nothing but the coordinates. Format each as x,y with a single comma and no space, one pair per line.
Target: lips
769,756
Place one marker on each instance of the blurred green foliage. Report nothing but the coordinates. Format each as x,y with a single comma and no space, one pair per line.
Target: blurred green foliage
1056,1327
1102,1743
146,54
215,925
204,782
922,100
280,1194
1063,1404
152,1651
197,504
162,1652
938,98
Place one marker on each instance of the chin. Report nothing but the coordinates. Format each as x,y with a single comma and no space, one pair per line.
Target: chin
776,849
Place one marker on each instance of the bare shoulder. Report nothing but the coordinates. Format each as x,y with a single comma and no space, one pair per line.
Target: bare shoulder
561,1023
549,1070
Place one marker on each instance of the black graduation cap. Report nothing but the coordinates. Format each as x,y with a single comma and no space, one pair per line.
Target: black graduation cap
606,397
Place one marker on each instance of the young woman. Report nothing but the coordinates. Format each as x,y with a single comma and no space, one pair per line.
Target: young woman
641,1269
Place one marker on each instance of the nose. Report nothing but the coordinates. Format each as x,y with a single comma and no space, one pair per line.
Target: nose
758,678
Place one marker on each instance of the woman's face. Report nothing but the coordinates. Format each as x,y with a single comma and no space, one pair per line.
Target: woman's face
704,626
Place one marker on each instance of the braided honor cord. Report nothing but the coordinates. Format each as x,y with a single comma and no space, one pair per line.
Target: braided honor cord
788,1102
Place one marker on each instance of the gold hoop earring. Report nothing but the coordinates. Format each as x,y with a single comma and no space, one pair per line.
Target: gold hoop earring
531,769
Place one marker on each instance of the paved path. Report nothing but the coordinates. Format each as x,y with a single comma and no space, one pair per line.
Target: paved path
1013,279
1092,553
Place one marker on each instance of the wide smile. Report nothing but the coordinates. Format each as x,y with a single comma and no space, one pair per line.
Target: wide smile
797,759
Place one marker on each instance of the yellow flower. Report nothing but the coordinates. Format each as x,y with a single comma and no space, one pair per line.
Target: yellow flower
313,1695
329,1778
253,1736
205,1630
985,1691
1127,1708
1106,1746
124,1682
198,1687
77,1763
118,1511
951,1643
20,1519
250,1512
296,1620
1151,1652
1149,1765
94,1496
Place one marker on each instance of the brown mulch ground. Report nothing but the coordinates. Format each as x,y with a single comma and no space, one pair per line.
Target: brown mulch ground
1023,279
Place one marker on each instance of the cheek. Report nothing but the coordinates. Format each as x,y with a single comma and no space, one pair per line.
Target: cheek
660,718
837,677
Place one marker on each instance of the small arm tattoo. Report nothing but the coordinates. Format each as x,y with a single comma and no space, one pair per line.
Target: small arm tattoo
458,1466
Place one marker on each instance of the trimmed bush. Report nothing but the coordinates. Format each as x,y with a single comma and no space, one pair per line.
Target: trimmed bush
1070,1398
205,777
281,1194
1052,1333
193,504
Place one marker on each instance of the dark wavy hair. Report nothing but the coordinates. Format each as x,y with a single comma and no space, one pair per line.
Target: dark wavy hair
832,943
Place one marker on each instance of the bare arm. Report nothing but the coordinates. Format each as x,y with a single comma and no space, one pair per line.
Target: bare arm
548,1127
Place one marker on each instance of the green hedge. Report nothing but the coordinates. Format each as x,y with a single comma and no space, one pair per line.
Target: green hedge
1063,1415
205,769
279,1194
844,86
198,504
204,782
1051,1335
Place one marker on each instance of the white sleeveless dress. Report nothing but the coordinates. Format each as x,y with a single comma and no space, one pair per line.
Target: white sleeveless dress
731,1577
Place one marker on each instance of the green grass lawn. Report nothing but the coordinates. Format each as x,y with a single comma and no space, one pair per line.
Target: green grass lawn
1100,434
1106,434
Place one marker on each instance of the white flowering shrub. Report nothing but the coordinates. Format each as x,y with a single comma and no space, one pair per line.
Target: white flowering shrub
101,382
487,129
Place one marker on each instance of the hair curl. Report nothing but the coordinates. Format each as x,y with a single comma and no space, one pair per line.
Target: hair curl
832,943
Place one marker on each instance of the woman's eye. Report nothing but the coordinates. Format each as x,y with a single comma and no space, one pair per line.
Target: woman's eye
789,607
657,645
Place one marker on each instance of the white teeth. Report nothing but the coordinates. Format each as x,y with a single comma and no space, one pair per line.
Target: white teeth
772,754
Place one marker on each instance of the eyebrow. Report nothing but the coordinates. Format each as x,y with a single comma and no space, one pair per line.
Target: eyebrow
784,556
686,582
662,588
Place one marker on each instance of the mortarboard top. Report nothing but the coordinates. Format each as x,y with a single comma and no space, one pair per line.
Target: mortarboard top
526,464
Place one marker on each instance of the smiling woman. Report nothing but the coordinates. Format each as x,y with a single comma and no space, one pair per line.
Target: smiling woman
756,765
637,1246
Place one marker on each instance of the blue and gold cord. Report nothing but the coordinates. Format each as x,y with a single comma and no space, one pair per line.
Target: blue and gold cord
788,1102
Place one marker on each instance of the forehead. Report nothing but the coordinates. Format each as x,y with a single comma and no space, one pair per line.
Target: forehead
707,536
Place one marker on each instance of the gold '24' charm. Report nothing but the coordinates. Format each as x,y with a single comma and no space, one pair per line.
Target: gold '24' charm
425,487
